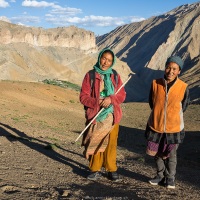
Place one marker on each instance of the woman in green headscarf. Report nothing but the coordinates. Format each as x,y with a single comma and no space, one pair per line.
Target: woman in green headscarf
100,140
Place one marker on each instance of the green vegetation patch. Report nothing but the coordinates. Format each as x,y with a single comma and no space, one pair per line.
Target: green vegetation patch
64,84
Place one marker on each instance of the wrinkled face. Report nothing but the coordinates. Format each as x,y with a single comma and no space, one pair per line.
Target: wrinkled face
172,70
106,60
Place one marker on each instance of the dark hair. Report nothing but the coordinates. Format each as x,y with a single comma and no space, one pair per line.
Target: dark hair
108,51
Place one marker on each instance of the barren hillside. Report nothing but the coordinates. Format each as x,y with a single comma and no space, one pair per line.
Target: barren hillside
38,161
70,37
24,62
146,45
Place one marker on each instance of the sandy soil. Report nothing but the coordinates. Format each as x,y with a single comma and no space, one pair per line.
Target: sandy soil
38,124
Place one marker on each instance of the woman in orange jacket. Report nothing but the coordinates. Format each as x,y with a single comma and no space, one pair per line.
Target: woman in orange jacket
168,99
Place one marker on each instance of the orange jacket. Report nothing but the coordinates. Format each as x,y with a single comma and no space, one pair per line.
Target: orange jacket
167,114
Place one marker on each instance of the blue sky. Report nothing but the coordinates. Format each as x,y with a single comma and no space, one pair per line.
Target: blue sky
98,16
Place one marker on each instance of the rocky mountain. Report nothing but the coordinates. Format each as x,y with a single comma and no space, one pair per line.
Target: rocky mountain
71,37
146,45
35,54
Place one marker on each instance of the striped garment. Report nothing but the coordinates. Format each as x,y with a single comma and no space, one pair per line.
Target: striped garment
161,149
97,136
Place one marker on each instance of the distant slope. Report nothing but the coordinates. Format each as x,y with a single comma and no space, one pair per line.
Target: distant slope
23,62
71,37
35,54
146,45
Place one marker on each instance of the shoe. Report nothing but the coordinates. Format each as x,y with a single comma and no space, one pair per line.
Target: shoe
170,183
114,176
157,181
94,176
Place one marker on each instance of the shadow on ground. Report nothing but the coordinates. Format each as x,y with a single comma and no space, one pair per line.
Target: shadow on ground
105,190
12,134
188,154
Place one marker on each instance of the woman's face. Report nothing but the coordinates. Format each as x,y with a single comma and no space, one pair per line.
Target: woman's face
172,70
106,61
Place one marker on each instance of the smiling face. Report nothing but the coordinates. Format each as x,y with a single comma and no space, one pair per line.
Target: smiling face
106,60
172,70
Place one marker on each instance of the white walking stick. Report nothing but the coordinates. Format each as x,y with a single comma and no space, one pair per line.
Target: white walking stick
100,111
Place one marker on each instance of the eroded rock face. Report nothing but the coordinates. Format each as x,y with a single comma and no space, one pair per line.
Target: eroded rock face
35,54
71,37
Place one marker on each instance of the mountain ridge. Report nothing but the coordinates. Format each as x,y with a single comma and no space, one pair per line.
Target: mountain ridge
146,45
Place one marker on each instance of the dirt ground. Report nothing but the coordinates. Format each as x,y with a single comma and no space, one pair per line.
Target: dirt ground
38,161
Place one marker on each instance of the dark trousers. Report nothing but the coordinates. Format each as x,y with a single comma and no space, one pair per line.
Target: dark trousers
167,167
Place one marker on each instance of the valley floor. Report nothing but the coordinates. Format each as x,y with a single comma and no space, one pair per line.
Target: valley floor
38,124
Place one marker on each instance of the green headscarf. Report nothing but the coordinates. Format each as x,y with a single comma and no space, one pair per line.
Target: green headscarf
108,85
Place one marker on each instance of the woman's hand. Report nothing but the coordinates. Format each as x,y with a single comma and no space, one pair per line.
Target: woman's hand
100,101
105,102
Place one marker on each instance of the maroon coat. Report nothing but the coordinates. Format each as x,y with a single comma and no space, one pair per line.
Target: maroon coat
90,99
